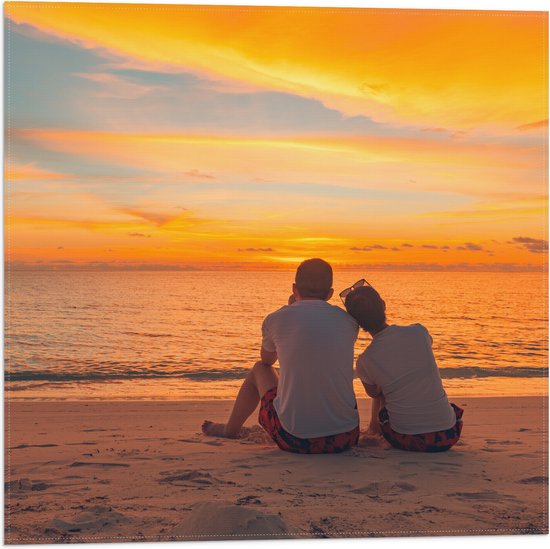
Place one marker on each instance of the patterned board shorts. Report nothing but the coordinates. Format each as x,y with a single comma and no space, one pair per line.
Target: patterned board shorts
439,441
332,444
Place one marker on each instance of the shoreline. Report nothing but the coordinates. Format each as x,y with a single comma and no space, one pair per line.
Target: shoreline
141,470
176,390
225,399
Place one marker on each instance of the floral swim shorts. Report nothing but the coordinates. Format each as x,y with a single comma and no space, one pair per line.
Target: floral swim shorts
269,420
439,441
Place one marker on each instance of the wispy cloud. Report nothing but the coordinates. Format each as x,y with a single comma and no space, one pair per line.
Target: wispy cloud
533,245
368,248
503,205
446,267
539,125
30,172
114,86
151,217
443,247
199,175
485,169
469,246
256,250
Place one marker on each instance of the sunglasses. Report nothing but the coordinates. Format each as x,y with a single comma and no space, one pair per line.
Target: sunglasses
343,294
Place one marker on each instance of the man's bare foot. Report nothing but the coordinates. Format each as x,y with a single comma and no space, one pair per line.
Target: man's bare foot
371,441
214,429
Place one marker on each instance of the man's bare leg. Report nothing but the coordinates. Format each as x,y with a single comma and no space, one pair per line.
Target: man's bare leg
259,380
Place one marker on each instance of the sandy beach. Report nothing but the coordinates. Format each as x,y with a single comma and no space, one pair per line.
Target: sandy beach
130,471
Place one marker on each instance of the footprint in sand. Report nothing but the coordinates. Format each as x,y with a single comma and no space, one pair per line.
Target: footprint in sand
25,485
249,500
376,490
534,480
322,529
85,443
103,465
185,477
18,485
405,486
489,495
21,446
445,467
502,442
95,519
201,441
40,486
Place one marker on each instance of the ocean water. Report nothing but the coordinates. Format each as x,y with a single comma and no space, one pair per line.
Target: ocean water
172,335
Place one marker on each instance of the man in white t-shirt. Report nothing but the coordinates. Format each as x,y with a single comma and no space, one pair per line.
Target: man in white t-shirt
398,370
310,407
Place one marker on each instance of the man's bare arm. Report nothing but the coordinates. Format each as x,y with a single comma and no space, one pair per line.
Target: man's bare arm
372,390
270,357
377,404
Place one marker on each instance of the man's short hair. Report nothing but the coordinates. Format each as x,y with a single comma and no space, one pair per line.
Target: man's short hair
314,278
367,307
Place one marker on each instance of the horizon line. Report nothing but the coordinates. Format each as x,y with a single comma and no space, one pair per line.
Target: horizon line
420,268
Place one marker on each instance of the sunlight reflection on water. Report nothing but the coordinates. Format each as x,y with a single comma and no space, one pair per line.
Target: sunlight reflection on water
77,334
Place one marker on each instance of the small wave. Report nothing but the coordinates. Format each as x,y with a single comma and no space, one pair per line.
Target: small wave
199,374
510,371
214,374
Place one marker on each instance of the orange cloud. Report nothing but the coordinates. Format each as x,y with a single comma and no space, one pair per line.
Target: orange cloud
454,68
361,162
158,219
540,125
30,172
521,206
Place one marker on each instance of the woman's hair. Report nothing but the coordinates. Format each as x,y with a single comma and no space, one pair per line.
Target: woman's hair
367,307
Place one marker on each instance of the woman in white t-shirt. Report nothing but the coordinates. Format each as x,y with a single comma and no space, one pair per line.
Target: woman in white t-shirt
398,370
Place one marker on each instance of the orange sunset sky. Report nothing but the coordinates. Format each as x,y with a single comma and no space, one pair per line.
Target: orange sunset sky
225,137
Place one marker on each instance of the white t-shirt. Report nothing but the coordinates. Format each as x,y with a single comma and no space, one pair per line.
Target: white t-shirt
314,342
401,362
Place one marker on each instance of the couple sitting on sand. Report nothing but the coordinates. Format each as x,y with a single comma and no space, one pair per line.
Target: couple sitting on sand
310,406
